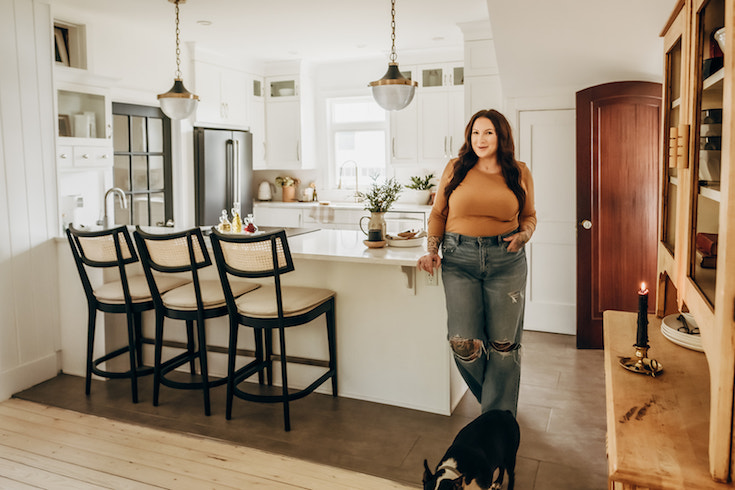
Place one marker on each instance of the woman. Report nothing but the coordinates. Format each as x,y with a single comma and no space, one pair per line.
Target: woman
483,215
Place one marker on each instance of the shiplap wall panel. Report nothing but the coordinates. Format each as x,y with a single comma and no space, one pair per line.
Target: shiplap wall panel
8,101
29,330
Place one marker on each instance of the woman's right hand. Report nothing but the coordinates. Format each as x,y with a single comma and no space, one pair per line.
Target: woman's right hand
429,262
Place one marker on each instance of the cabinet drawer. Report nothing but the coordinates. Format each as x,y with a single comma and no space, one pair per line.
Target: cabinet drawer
86,156
64,156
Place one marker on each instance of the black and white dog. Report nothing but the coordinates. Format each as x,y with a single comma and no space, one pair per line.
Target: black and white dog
483,451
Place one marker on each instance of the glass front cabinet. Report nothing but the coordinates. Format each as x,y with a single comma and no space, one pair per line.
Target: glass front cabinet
696,259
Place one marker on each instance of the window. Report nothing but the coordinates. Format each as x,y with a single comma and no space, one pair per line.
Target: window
358,133
141,137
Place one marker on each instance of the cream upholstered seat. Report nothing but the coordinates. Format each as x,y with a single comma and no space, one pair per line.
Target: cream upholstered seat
184,298
112,292
194,302
296,301
271,307
125,294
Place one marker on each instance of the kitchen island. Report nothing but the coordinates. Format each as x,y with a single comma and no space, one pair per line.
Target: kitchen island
391,323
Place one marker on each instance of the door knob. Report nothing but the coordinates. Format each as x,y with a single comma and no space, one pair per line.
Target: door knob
586,224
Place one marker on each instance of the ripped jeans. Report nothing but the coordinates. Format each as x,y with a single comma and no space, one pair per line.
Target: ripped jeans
485,287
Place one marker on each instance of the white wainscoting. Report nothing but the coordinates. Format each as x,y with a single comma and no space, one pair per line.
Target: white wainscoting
29,307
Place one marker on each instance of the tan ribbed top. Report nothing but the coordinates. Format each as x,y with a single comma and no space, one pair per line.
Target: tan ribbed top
482,205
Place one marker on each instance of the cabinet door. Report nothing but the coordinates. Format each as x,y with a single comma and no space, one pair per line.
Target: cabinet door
257,128
433,118
207,87
234,106
676,136
404,135
283,135
456,122
708,81
277,216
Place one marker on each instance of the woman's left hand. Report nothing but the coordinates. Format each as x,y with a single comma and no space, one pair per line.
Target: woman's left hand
517,241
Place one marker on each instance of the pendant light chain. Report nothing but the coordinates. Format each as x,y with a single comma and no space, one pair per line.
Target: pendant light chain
393,55
178,48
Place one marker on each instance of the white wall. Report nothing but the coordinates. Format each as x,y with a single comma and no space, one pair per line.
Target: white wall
29,309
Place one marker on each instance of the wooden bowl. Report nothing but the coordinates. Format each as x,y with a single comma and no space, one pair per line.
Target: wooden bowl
374,244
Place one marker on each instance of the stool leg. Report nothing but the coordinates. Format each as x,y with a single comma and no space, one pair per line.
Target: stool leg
258,337
132,349
231,352
332,340
190,346
91,316
158,348
203,362
284,379
138,337
268,355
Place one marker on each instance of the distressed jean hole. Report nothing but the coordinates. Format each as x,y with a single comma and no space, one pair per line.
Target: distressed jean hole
504,346
466,349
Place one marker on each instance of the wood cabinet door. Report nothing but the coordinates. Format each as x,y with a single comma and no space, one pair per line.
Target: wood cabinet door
618,137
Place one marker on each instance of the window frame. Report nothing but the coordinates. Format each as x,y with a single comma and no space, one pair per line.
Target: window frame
334,127
134,110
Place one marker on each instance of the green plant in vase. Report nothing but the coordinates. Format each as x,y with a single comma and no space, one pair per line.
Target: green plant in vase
421,183
420,188
380,197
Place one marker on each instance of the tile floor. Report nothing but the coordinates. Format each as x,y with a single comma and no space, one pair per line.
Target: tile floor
561,414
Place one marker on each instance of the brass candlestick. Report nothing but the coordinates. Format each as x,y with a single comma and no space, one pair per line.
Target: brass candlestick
641,363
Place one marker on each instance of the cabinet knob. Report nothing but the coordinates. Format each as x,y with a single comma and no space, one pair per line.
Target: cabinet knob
85,156
64,156
586,224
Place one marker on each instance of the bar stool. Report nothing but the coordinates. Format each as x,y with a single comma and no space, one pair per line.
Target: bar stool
125,294
200,299
270,307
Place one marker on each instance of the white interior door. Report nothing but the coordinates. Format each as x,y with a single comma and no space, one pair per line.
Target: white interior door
547,146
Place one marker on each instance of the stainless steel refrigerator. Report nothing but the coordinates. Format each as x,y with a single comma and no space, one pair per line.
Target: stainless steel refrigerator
223,173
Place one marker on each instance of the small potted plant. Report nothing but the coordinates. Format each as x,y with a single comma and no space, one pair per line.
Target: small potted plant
288,187
378,199
421,188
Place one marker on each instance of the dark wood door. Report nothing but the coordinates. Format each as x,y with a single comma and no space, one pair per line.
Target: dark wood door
618,140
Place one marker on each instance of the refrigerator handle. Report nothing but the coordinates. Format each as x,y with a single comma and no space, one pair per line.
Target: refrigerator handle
229,171
236,164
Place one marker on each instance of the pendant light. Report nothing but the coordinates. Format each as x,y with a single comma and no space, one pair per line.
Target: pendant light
178,103
393,92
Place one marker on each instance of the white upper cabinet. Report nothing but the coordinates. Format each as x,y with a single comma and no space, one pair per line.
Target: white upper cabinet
223,95
283,123
441,117
257,122
404,128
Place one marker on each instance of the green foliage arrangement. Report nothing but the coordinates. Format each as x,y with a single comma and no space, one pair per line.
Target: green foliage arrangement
421,184
380,197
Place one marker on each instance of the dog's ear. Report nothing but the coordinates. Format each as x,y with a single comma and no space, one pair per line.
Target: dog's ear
427,472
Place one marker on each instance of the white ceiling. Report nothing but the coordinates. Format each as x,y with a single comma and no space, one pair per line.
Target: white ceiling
294,29
542,46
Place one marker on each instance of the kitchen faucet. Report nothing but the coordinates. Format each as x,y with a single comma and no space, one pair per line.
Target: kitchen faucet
357,176
107,220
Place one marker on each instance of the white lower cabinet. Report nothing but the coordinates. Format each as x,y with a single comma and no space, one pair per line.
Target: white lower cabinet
277,216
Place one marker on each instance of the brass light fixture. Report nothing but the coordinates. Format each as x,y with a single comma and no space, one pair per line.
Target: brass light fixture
393,92
178,103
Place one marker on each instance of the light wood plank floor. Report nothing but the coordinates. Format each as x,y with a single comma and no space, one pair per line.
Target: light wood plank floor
52,448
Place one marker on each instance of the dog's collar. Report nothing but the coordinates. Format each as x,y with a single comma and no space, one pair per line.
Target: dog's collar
447,467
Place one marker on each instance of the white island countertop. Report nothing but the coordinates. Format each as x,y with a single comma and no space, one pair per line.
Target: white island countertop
348,246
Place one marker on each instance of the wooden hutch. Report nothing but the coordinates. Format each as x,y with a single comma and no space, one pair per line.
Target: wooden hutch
696,268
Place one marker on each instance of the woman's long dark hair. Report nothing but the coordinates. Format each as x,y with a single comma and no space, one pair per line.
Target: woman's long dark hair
467,157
